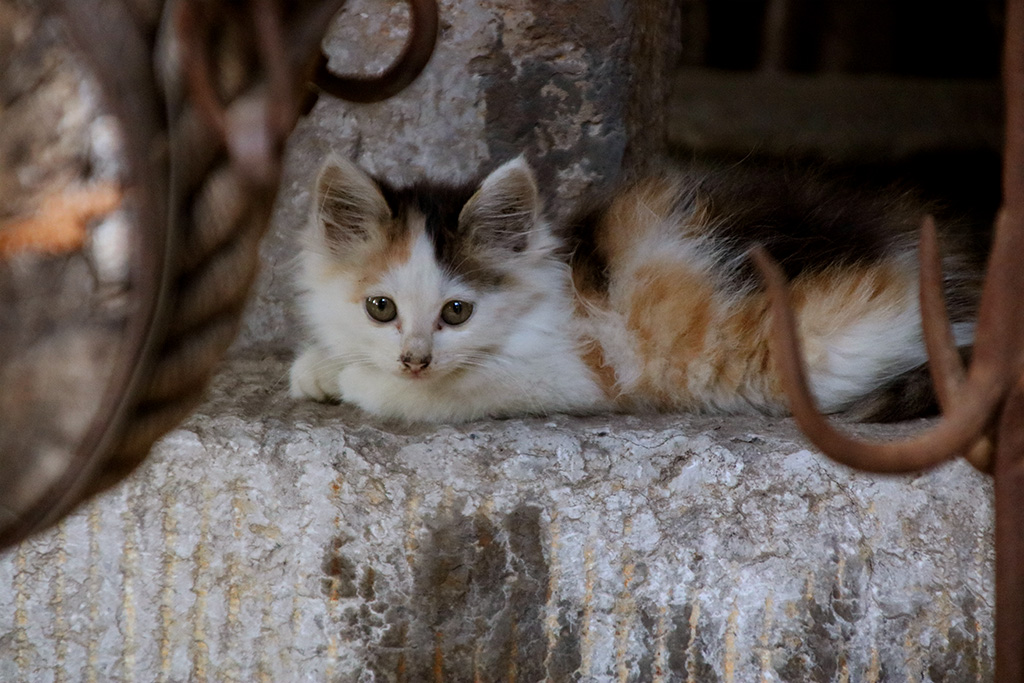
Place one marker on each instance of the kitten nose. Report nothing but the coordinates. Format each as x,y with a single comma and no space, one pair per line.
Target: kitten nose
415,363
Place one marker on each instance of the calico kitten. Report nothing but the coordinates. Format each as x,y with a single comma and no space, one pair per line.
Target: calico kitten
440,303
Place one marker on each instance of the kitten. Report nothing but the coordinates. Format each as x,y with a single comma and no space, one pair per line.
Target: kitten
445,304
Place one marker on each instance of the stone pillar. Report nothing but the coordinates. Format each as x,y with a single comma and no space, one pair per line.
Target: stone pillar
578,87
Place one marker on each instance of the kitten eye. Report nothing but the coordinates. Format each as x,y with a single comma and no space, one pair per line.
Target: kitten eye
381,309
456,312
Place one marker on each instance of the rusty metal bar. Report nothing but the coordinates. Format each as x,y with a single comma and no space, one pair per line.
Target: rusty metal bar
984,408
1009,463
948,373
1009,488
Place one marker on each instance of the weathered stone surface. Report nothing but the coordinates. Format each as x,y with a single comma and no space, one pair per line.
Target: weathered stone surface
273,540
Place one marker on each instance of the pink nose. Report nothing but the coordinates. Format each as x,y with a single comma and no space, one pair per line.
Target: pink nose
414,363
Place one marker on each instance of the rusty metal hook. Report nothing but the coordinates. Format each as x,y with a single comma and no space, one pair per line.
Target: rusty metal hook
949,377
192,23
970,401
254,133
998,357
984,407
423,16
956,432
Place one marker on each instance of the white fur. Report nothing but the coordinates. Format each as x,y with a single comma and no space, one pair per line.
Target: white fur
515,354
850,361
314,375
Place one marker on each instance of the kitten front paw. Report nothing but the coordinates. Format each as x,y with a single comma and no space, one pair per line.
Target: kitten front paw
314,375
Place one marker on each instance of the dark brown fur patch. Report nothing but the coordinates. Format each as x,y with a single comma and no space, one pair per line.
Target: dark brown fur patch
597,239
589,265
807,221
440,206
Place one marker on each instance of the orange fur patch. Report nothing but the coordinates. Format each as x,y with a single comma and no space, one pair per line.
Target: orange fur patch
742,357
368,261
633,215
669,316
700,347
382,258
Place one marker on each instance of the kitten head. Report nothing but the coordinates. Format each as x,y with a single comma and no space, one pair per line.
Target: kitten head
425,283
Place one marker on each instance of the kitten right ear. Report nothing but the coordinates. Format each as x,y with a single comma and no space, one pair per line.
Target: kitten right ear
505,209
349,206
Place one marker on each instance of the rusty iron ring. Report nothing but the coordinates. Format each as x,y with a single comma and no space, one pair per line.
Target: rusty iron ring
423,17
124,71
195,18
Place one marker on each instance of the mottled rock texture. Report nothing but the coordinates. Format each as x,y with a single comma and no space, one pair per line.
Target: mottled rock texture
272,540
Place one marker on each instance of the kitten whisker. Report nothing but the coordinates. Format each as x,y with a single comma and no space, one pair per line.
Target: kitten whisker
507,376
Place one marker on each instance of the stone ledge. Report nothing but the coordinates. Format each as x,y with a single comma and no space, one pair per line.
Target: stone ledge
272,540
838,116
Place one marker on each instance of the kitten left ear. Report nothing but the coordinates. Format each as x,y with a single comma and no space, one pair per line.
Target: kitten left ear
505,209
349,208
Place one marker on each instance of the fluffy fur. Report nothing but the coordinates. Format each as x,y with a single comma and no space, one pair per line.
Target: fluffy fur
648,303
